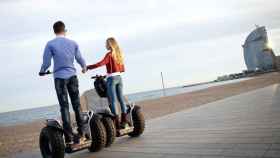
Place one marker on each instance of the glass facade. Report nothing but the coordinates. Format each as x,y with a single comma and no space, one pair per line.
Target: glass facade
257,55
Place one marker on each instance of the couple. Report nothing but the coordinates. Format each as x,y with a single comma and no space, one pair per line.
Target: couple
64,51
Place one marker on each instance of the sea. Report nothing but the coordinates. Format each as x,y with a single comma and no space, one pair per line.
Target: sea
41,113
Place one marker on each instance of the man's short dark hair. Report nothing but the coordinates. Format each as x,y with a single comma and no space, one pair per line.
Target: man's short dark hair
58,27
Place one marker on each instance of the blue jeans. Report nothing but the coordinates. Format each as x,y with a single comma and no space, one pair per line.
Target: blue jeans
65,87
115,90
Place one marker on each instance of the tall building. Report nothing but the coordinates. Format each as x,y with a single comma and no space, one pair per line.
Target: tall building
257,54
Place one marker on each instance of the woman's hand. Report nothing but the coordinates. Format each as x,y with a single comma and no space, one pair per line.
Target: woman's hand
88,67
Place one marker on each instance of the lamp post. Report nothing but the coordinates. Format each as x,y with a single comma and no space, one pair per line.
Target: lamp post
162,82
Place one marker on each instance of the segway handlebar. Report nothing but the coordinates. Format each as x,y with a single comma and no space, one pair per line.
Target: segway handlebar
45,73
98,76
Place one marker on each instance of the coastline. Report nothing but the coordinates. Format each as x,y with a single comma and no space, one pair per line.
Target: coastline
19,138
25,116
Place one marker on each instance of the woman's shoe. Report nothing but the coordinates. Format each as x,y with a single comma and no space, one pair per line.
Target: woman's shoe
125,120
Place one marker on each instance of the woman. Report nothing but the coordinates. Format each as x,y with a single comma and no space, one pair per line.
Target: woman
114,62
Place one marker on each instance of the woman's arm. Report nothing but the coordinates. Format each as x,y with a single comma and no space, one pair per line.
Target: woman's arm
104,61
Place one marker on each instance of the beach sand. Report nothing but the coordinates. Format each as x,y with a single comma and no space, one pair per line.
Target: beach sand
19,138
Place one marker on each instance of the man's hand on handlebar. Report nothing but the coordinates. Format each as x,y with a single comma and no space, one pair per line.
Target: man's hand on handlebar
84,70
44,73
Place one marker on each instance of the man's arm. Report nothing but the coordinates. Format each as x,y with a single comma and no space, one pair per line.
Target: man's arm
79,58
47,58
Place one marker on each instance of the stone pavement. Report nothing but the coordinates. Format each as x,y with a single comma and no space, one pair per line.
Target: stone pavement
247,125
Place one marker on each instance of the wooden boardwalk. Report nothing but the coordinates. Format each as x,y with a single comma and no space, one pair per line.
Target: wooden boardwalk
246,125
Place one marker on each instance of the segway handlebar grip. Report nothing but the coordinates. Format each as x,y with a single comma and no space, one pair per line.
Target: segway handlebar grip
98,76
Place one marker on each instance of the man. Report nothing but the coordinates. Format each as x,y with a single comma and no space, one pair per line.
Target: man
63,51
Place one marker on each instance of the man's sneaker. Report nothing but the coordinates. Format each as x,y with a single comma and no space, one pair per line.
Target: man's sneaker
87,136
69,144
69,139
76,139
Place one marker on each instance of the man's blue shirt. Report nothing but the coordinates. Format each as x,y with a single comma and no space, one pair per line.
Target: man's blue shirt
63,51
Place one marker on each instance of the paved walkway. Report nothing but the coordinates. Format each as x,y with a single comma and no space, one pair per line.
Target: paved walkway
247,125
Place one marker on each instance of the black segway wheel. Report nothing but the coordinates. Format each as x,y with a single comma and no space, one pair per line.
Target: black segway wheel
51,143
98,134
138,122
110,130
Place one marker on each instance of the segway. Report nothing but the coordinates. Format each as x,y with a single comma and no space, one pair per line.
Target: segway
52,141
136,118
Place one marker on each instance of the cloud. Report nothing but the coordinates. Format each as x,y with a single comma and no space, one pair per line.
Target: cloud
186,39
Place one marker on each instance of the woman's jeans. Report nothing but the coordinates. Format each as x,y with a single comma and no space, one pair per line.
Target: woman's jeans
115,90
63,88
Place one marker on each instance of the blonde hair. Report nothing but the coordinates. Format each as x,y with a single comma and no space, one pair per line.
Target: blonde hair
116,51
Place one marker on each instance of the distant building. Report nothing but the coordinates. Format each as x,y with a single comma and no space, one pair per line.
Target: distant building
257,54
277,62
259,57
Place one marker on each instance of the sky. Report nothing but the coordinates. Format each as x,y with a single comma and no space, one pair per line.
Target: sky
189,41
